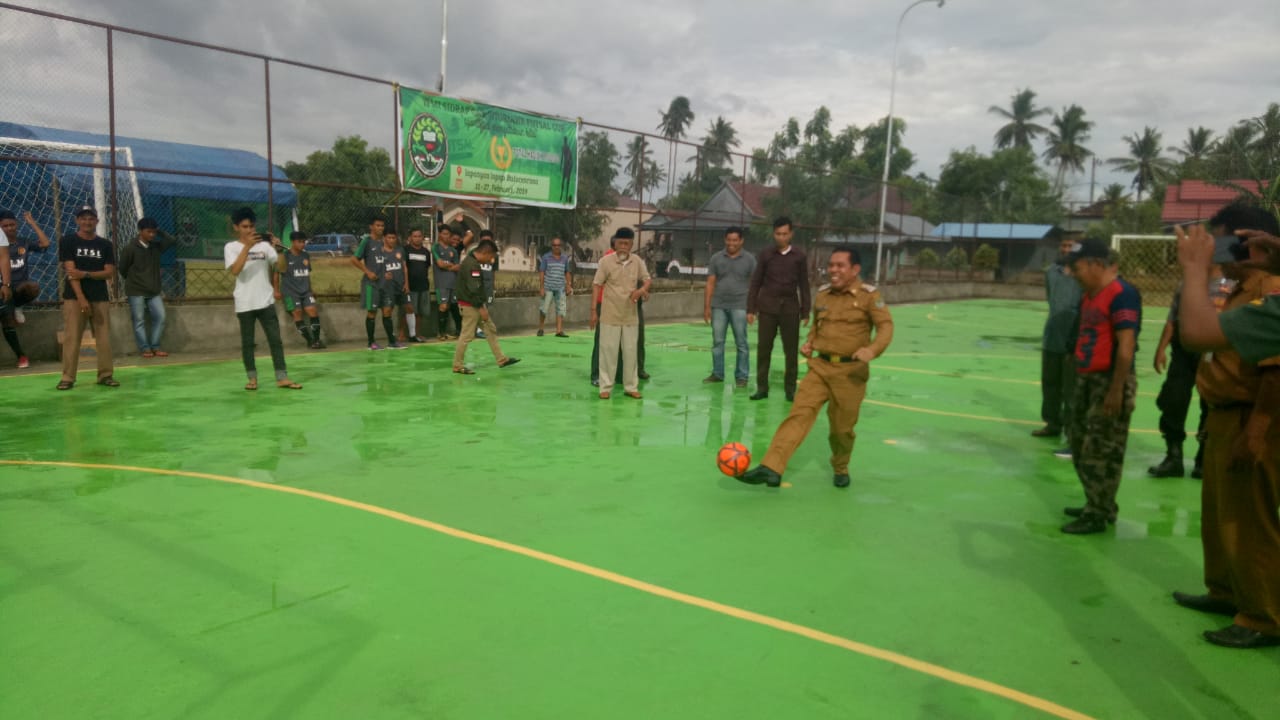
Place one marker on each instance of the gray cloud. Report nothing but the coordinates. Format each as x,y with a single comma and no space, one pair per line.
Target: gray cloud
1180,64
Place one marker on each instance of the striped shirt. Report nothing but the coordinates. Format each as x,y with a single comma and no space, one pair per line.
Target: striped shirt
555,269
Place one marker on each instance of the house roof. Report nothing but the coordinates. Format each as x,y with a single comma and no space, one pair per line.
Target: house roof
898,228
1192,200
993,231
753,195
169,156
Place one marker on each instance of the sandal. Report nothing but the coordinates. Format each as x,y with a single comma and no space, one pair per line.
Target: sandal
148,354
634,395
161,353
251,385
108,381
66,384
464,371
288,385
604,395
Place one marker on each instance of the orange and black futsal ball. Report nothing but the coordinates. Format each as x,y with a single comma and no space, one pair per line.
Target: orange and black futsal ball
733,459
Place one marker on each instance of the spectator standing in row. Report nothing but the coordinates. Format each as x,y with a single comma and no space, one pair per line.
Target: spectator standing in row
446,258
140,268
89,262
295,289
729,275
252,259
22,289
554,286
779,295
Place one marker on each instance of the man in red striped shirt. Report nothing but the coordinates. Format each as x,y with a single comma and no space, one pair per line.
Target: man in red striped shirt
1110,321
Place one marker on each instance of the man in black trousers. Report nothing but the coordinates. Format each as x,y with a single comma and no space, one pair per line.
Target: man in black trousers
779,295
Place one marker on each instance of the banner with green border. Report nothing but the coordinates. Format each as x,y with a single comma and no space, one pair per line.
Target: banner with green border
463,149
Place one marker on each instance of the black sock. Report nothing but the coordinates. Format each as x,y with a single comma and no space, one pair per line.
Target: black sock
368,328
391,330
442,320
11,337
315,329
302,330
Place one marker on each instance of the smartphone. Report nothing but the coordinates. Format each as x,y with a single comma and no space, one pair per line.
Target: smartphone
1229,248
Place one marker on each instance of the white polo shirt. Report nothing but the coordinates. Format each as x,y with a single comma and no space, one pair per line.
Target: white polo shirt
253,284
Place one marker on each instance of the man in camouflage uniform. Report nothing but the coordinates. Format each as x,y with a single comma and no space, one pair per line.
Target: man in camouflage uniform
839,348
1110,321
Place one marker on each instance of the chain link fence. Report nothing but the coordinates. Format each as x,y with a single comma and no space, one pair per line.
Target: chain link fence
241,129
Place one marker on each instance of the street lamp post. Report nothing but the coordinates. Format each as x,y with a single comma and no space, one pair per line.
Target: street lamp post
888,145
444,42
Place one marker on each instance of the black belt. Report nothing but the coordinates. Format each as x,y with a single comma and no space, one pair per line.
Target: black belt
837,359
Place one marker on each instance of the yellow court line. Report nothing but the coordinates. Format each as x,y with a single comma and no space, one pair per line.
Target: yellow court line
910,663
985,418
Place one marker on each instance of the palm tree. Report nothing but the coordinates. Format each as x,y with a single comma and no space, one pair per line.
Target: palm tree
1114,194
1066,143
717,145
642,171
1144,160
1197,146
675,122
1021,128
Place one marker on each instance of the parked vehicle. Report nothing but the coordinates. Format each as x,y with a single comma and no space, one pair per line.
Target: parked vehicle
332,244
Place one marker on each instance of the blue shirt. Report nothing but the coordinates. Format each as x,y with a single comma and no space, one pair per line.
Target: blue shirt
555,270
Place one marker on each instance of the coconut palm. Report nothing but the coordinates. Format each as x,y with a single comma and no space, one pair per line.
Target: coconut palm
717,145
1021,128
1066,143
1144,160
642,171
1197,146
675,122
1114,194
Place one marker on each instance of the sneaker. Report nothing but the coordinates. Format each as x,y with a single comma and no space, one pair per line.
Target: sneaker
741,383
540,333
417,339
1064,453
23,362
560,334
397,346
375,346
712,379
17,315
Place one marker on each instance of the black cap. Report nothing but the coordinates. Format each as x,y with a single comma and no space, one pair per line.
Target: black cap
7,215
147,223
87,210
1089,248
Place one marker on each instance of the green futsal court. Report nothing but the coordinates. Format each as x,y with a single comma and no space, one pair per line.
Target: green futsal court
396,541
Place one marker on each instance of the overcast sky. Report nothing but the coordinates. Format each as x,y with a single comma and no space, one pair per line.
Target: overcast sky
1168,63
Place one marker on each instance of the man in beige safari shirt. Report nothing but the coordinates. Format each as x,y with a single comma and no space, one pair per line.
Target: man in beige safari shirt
623,280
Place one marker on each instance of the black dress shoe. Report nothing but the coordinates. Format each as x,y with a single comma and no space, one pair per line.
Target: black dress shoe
841,480
761,475
1205,603
642,375
1076,512
1241,638
1047,431
760,395
791,396
1085,525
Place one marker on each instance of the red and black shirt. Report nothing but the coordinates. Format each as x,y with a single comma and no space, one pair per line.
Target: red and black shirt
1118,306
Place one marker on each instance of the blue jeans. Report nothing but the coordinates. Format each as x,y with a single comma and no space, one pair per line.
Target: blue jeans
139,307
721,319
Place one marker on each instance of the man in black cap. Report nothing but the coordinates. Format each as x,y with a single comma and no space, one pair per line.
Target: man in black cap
1106,384
89,262
140,268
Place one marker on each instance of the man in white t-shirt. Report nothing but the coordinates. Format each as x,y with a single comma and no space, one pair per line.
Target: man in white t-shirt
252,259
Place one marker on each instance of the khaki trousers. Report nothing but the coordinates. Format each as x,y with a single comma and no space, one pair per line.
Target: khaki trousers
74,323
838,386
613,337
470,321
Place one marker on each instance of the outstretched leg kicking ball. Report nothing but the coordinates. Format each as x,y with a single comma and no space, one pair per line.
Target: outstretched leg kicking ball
840,348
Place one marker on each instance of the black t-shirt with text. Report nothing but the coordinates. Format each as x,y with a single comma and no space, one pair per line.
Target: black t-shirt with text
420,262
90,256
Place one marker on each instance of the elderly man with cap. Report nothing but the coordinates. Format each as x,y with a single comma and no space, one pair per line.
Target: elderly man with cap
140,268
621,282
1106,383
89,262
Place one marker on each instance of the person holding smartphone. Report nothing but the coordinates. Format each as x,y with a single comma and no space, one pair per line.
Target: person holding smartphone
252,258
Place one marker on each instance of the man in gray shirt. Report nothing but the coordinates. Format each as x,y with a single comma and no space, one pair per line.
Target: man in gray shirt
1057,356
728,280
140,268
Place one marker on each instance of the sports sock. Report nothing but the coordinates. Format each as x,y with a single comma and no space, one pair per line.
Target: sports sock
315,329
368,329
391,330
11,337
411,321
302,330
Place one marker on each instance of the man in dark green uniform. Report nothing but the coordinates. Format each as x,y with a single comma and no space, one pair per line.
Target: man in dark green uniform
473,300
840,349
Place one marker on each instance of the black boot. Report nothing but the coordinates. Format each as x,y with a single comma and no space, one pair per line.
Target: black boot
1172,465
1197,468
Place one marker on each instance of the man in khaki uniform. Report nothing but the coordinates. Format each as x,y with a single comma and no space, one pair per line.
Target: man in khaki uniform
1240,526
840,348
473,300
622,281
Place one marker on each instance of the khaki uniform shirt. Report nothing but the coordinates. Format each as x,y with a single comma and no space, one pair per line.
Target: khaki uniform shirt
618,280
843,322
1225,378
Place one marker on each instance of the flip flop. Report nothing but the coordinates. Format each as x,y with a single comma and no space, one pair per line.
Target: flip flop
148,354
108,381
161,353
604,396
288,385
251,385
66,384
634,395
465,371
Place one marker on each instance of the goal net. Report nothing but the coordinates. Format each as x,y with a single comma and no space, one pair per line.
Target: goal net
37,176
1150,263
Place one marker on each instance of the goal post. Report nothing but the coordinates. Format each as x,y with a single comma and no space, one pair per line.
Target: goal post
1150,263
